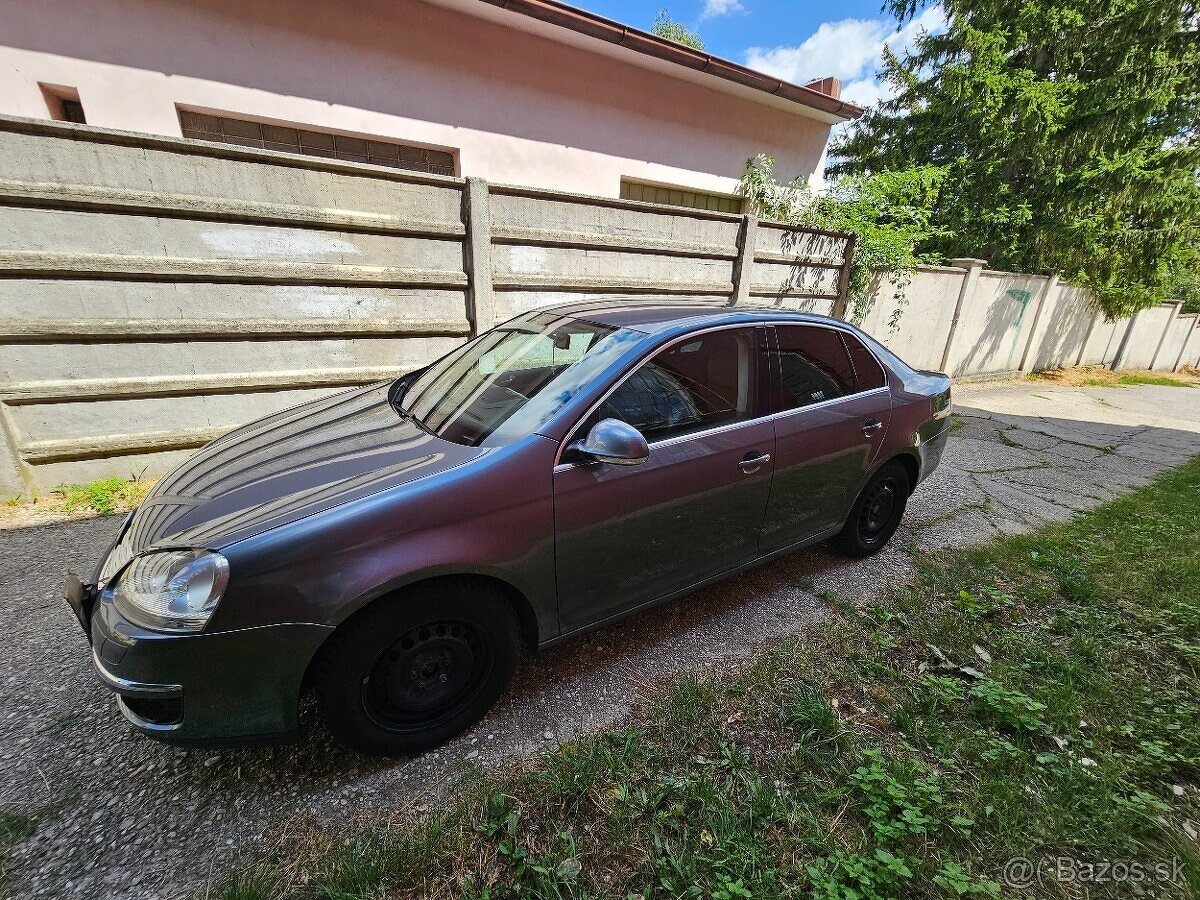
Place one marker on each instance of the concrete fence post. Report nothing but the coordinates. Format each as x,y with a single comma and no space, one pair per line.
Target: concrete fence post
1048,288
842,305
1176,306
1087,336
1124,345
14,479
477,256
743,264
965,291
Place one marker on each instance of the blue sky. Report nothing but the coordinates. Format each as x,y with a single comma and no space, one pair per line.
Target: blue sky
796,40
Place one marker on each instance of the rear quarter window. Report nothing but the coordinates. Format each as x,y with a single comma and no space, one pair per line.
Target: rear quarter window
867,370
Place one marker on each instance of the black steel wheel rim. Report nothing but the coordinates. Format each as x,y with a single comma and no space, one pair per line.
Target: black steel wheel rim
878,510
426,675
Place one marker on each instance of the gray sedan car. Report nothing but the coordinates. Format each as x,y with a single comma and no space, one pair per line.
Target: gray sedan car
394,546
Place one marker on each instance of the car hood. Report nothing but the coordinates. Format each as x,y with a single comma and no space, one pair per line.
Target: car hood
286,467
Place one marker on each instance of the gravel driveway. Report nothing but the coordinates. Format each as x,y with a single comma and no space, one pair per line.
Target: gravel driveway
120,816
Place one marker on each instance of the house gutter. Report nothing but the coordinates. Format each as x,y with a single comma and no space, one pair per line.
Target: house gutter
643,42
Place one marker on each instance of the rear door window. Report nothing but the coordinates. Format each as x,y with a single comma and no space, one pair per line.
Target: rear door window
814,366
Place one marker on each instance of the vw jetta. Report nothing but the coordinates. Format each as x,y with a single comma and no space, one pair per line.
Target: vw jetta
394,546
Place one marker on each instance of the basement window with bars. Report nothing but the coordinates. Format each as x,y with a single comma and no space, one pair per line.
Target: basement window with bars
669,196
287,139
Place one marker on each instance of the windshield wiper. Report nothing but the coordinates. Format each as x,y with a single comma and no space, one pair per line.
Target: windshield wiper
405,414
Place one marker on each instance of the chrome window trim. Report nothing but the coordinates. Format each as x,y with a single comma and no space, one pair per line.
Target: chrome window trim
825,403
559,465
666,442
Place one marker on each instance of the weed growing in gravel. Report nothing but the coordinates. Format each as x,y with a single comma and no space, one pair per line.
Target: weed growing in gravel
104,497
1036,697
15,826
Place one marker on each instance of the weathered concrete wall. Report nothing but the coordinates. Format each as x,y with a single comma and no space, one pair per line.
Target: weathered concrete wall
1146,336
156,292
1170,352
1100,347
1063,321
968,321
1189,353
994,324
914,322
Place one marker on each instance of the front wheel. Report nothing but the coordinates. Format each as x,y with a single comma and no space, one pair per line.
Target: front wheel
876,513
413,670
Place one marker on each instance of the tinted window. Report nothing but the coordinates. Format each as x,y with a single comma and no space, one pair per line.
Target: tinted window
509,381
696,384
866,367
813,365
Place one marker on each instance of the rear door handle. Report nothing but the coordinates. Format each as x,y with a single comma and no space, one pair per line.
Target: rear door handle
751,464
871,427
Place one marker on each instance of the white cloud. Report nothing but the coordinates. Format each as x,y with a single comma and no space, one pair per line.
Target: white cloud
714,8
866,91
849,49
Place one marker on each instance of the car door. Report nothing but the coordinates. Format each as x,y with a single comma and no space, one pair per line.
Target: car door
627,535
834,412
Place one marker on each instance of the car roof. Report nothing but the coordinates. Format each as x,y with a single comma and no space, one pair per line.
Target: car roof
652,316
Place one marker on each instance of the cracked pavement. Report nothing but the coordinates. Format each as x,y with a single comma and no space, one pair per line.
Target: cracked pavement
120,816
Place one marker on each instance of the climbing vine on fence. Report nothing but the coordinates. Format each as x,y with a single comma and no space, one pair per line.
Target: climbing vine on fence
890,213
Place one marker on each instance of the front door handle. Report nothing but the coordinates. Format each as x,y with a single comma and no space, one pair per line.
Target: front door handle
871,427
751,464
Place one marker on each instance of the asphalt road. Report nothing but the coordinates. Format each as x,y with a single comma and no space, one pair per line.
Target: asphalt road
120,816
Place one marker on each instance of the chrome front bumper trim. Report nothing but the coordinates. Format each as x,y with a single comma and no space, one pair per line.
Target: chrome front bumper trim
132,688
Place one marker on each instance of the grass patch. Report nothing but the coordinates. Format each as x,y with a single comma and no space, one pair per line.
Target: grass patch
106,497
111,495
1036,697
1163,380
14,828
1101,376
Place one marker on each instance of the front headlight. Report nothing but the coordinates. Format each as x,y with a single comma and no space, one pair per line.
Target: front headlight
171,590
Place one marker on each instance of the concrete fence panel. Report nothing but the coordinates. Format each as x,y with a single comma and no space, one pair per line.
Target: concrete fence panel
1100,346
156,292
1146,334
1063,321
1170,352
994,324
798,269
1189,354
914,322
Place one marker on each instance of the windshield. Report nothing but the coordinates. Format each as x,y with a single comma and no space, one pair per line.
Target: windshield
508,382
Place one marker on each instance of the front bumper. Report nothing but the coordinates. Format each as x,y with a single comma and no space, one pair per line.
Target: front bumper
229,687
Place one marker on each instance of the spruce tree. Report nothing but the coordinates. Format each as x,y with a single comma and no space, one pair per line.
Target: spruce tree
1069,133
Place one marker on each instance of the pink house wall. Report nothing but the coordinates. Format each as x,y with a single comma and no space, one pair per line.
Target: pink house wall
518,108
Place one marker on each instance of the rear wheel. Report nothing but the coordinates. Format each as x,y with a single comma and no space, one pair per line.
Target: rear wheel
412,671
876,513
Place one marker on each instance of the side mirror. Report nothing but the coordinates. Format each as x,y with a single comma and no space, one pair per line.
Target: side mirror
616,442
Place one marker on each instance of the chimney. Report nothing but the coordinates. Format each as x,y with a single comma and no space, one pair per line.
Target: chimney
830,86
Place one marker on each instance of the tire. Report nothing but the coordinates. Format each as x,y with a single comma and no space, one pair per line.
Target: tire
876,513
413,670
